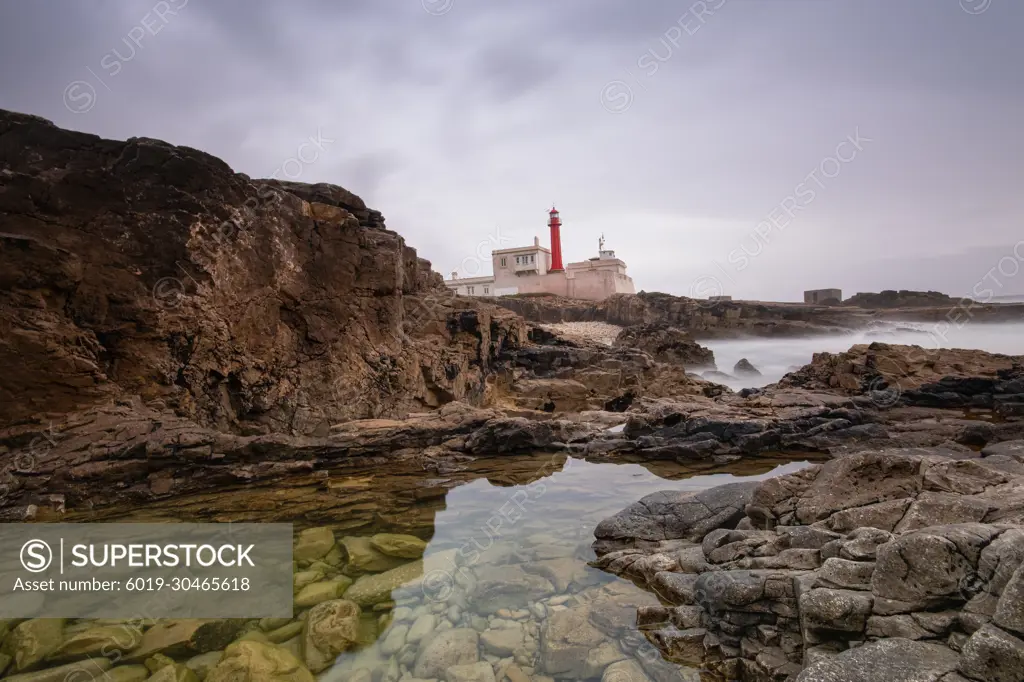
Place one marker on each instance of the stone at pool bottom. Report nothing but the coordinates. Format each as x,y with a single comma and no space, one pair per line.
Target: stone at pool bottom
258,662
313,543
365,557
373,589
331,628
32,641
567,639
398,545
88,669
473,672
445,649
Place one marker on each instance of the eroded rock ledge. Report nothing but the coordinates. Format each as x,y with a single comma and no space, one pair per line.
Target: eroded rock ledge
249,306
895,565
546,396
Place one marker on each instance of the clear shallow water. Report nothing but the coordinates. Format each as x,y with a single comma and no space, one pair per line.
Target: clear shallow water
508,541
775,357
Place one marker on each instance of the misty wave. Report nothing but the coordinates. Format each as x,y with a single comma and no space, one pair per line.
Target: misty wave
774,357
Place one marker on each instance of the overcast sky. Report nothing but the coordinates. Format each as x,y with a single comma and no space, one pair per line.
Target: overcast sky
748,147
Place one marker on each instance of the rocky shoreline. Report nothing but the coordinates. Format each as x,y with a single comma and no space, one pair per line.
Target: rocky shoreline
906,560
172,328
705,319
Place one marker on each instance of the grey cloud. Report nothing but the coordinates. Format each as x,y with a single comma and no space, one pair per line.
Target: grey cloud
452,124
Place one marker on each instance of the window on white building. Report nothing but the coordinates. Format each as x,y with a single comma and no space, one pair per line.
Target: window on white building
503,262
470,290
486,290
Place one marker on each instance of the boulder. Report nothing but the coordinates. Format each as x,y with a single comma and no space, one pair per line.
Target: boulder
99,641
285,632
743,368
566,640
186,637
173,672
364,557
258,662
314,593
394,640
862,544
993,655
674,588
680,645
503,641
445,649
933,564
562,573
313,543
421,627
666,344
470,672
826,611
846,574
32,641
508,587
721,591
373,589
673,515
89,669
138,673
303,578
403,546
625,671
201,665
330,628
598,659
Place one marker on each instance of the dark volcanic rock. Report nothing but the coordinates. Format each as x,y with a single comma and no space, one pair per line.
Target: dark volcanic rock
743,368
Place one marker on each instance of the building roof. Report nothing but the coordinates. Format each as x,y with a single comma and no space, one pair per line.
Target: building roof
596,262
470,280
531,247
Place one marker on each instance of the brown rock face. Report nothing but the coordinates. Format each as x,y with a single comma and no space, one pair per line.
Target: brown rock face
143,268
700,319
667,344
900,299
916,375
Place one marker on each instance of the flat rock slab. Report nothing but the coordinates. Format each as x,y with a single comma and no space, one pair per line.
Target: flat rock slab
892,660
670,515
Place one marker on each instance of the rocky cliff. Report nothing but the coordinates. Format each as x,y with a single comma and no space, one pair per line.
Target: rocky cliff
703,319
899,299
699,318
142,268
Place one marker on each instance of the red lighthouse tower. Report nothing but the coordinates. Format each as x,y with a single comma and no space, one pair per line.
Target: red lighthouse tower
556,240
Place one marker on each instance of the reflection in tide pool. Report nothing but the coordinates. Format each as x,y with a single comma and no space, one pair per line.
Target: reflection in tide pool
478,575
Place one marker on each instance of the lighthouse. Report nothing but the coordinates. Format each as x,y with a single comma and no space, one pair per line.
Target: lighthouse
536,269
556,240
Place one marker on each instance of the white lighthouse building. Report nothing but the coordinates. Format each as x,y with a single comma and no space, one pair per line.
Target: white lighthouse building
536,269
